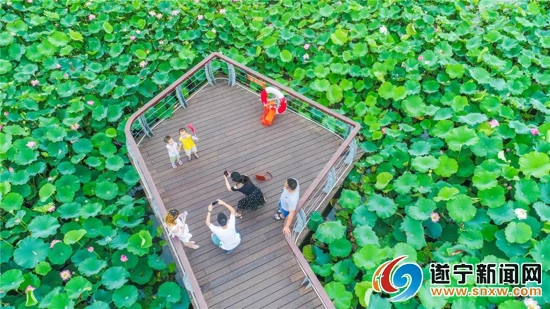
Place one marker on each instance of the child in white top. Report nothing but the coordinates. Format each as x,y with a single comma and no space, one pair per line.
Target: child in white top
173,151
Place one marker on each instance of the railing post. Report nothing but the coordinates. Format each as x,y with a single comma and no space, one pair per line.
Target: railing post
231,71
351,152
143,123
209,74
331,180
181,98
300,224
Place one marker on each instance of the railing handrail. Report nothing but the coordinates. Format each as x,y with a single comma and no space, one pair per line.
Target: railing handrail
319,289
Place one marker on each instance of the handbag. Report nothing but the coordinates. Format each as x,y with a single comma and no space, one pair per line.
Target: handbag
264,177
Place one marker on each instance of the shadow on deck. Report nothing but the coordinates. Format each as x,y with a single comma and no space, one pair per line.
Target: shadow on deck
262,271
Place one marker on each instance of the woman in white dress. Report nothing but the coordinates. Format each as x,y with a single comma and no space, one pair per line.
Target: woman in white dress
177,228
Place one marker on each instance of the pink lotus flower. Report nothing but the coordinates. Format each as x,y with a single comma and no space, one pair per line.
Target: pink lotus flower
123,258
420,58
35,82
138,32
197,1
6,114
534,131
90,102
161,42
58,66
132,37
65,275
383,30
270,25
31,144
435,29
143,64
29,288
152,13
90,249
8,3
51,209
214,30
75,126
383,130
306,46
175,13
441,152
55,241
200,17
1,126
509,188
159,15
10,169
306,57
91,17
435,217
493,123
531,303
222,11
29,1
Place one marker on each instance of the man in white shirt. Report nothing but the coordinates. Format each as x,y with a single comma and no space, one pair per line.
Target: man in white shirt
288,203
224,236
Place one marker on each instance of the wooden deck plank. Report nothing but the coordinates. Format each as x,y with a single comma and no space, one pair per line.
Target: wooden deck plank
261,271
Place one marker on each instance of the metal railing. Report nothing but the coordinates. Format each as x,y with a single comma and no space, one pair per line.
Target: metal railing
141,124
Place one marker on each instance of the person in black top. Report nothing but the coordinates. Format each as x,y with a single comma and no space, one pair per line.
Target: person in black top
254,197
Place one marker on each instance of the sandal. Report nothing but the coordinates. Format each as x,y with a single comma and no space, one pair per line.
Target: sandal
238,215
277,216
174,166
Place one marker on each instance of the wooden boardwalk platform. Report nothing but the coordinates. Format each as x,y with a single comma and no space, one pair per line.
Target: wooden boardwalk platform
262,271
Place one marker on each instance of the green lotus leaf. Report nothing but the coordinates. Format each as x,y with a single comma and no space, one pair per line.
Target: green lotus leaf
334,94
461,208
415,233
60,301
484,180
349,199
19,177
446,167
405,183
339,37
535,164
420,148
362,216
43,268
59,39
326,10
460,137
46,191
90,210
170,291
481,75
383,179
156,262
383,206
43,226
493,197
11,280
527,191
542,210
540,253
340,297
504,213
324,270
320,85
424,164
518,232
370,256
454,70
315,218
30,251
487,146
83,146
340,248
472,118
471,238
11,202
73,236
114,163
364,235
106,190
140,243
115,277
69,210
125,296
76,286
402,248
286,56
330,231
421,210
386,90
428,301
345,271
91,266
25,156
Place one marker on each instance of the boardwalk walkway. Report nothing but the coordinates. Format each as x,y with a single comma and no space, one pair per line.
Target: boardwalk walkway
262,271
